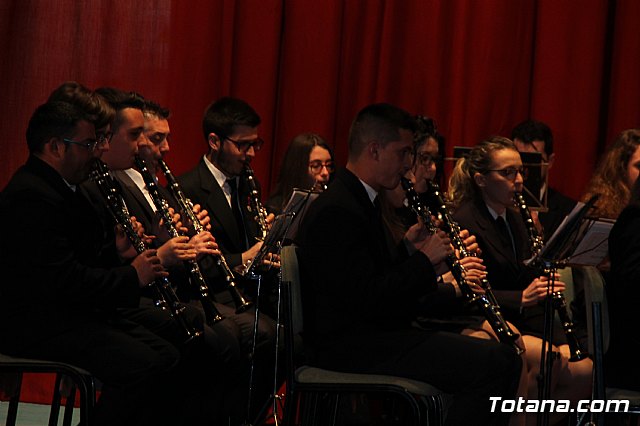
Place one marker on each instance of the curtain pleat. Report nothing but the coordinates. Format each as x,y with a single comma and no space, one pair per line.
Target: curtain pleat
477,67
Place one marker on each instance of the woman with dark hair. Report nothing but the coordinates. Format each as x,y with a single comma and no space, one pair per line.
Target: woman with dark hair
429,143
307,164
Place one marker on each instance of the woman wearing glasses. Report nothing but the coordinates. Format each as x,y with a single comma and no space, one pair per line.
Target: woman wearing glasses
307,164
482,188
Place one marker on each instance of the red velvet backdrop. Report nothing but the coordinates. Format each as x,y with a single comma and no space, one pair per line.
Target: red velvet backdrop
478,67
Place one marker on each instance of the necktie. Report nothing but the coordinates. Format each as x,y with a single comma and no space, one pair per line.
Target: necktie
385,234
505,234
376,205
237,212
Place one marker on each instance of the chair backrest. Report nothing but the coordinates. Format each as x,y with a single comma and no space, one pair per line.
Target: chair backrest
291,279
290,282
594,290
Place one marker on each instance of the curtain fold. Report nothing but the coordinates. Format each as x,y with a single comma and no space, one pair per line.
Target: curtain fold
478,68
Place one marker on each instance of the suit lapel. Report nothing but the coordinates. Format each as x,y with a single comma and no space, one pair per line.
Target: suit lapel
380,234
490,233
520,232
136,201
218,207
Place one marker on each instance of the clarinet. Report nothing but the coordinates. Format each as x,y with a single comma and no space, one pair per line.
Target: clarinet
452,229
187,208
255,205
557,297
164,295
211,313
260,217
490,310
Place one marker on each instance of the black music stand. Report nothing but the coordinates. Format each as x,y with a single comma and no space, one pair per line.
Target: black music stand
282,232
555,255
533,180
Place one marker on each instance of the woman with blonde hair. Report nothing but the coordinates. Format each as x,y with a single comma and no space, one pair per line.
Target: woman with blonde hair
482,188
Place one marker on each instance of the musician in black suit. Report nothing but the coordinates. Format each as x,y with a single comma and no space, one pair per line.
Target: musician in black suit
623,297
536,136
224,336
358,302
230,128
482,187
58,298
231,131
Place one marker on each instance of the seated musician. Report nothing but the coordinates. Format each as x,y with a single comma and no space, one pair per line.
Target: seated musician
360,299
482,187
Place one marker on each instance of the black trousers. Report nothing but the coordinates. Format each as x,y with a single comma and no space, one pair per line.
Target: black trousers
470,369
211,374
131,362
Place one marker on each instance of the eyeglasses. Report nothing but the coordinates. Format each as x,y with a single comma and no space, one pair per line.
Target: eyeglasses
103,137
90,145
510,173
316,166
407,153
245,145
428,159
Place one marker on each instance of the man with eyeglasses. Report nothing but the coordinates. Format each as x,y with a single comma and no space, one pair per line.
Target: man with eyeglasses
202,365
223,336
230,129
61,300
536,136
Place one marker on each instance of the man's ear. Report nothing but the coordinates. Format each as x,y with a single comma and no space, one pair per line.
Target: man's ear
374,149
52,147
552,157
480,179
214,142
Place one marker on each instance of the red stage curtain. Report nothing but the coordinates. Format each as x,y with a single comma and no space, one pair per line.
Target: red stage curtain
478,67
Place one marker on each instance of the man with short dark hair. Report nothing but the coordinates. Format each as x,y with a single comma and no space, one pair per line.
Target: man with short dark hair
361,293
230,128
61,302
218,184
536,136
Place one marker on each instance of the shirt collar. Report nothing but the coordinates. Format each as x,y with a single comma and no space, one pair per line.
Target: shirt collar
495,215
136,177
220,177
372,193
71,187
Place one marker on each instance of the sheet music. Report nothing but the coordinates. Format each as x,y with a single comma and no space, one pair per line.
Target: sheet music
568,219
594,246
298,204
284,226
578,241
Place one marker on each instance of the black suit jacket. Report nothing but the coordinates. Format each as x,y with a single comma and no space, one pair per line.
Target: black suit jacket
352,289
52,256
559,207
506,273
200,187
139,207
623,292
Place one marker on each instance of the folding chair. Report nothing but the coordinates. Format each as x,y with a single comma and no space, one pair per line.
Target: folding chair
68,379
314,394
598,331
